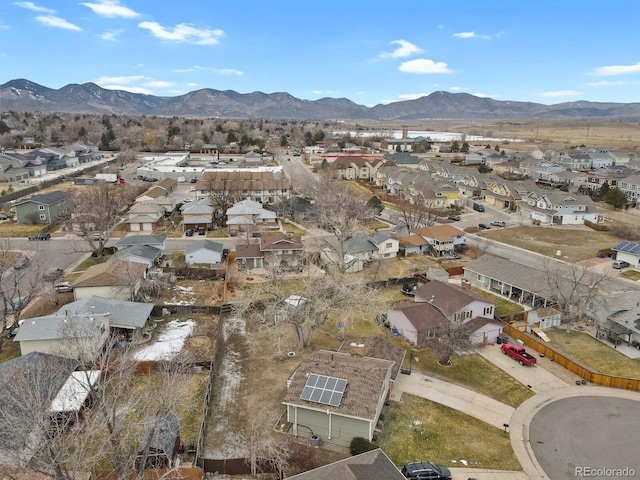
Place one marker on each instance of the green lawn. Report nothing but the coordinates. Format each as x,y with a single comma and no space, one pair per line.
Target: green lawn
593,353
417,429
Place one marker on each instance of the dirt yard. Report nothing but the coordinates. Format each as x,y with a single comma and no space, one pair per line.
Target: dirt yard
576,243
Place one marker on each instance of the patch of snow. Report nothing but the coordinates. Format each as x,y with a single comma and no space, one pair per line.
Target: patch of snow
464,462
169,342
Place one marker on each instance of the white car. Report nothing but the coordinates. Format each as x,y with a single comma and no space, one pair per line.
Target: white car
187,200
192,188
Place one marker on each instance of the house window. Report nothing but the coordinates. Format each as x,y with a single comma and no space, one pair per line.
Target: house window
481,278
388,245
40,207
386,255
43,216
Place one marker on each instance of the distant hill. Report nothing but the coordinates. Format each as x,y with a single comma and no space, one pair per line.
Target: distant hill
24,95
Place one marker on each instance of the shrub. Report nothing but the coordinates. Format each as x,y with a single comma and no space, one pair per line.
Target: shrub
360,445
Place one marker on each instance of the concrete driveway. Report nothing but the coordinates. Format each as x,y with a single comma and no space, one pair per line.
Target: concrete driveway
537,378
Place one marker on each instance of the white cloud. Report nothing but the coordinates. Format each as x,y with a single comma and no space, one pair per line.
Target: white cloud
183,33
606,83
159,84
465,34
229,71
458,89
316,92
560,93
111,35
110,9
32,6
57,22
404,50
612,70
475,35
484,95
423,65
119,80
192,84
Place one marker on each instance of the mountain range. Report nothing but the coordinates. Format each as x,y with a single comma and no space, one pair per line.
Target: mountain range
24,95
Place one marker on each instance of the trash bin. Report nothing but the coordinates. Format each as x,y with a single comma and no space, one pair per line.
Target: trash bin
315,440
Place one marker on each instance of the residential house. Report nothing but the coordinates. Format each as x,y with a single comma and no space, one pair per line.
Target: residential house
628,252
403,159
631,187
374,464
442,240
45,375
204,252
249,257
160,444
64,157
473,158
10,169
519,283
252,159
569,178
436,302
282,251
412,244
356,167
559,208
43,209
506,194
127,320
152,194
575,160
197,215
611,175
156,241
622,325
70,336
405,144
376,347
115,279
265,187
334,397
361,249
144,217
247,216
143,254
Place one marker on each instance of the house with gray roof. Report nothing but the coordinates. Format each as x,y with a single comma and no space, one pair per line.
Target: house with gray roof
79,336
144,254
156,241
204,252
559,208
44,208
334,397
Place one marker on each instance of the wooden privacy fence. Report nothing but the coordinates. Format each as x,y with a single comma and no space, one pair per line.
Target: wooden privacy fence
571,365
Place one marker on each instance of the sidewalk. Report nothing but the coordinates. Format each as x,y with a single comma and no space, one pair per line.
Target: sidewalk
463,399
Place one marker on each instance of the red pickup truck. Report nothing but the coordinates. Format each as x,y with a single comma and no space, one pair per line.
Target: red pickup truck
518,352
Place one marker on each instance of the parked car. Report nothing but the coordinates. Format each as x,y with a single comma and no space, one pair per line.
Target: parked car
194,180
478,208
63,287
618,264
426,470
455,218
498,223
189,233
187,200
202,231
21,262
97,237
40,236
192,188
52,274
4,216
484,226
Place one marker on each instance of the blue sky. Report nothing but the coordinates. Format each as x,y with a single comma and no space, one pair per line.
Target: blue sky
366,50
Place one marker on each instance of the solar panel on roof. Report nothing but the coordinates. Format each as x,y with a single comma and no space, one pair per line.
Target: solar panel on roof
324,390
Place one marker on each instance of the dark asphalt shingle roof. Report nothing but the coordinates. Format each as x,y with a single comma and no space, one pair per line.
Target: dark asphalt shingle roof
372,465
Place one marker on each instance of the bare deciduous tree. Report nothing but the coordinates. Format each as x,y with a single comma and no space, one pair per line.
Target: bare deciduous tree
265,449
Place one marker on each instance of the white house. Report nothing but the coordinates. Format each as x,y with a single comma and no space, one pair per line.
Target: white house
116,279
558,208
628,252
204,251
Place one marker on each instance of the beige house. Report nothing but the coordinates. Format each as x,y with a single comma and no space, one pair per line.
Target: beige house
81,336
144,216
115,279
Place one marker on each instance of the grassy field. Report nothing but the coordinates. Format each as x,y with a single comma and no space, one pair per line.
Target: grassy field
593,353
575,243
417,429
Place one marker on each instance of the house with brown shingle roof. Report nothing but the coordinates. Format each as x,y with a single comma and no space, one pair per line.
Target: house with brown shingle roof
442,240
114,279
249,257
412,244
334,397
437,301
